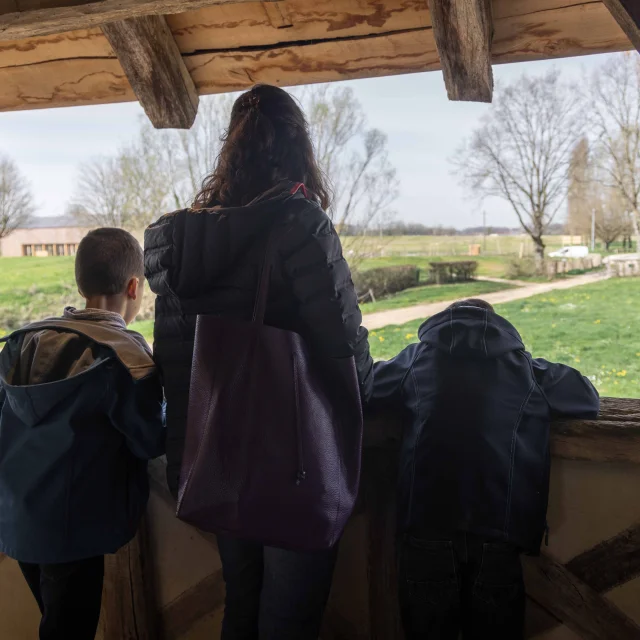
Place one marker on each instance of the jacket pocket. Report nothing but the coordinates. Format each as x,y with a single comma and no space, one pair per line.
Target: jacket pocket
499,583
428,575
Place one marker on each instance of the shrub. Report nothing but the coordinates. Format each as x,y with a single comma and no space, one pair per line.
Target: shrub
521,268
386,280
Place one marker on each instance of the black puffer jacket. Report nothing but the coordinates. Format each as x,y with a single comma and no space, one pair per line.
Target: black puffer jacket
208,262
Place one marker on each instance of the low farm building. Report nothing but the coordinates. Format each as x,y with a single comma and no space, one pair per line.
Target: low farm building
44,236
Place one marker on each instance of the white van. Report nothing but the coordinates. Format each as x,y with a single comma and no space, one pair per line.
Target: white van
570,252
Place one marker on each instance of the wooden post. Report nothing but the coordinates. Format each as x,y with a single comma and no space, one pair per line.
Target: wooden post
155,69
627,15
463,32
129,610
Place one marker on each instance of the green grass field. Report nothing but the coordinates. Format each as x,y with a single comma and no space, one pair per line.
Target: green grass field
391,246
34,288
433,293
592,328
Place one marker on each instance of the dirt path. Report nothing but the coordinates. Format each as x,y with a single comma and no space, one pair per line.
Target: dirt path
400,316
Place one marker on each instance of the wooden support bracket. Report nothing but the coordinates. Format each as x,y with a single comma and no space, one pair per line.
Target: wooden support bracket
627,15
155,69
463,31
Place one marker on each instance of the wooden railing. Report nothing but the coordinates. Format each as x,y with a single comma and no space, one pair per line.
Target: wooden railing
570,593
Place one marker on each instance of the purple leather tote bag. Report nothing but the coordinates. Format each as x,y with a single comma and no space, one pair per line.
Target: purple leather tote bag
274,434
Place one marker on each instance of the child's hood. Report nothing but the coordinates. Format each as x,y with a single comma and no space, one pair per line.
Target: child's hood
471,332
44,363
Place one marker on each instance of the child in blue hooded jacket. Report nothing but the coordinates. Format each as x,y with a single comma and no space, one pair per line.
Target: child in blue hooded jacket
80,415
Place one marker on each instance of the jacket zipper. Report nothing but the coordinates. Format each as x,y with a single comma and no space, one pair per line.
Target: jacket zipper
301,474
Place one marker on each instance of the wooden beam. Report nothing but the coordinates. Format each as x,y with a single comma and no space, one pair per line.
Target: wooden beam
627,15
613,437
129,608
588,614
58,16
192,605
463,32
611,562
154,67
80,68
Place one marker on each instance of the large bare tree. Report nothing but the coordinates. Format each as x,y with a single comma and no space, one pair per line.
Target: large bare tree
16,200
353,156
522,150
128,190
614,97
164,169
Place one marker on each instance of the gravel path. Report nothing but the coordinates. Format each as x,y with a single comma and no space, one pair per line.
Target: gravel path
401,316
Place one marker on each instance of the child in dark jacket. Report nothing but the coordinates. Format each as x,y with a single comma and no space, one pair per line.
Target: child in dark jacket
474,468
80,415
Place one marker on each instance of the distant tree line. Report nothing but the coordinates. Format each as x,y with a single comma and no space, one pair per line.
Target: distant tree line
417,229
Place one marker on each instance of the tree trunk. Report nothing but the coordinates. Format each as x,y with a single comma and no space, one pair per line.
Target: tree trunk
539,255
636,231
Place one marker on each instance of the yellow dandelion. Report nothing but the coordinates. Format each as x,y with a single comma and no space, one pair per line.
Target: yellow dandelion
622,374
373,333
554,325
596,322
577,359
409,336
381,338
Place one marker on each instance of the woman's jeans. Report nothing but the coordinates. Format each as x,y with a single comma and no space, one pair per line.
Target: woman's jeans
462,584
273,594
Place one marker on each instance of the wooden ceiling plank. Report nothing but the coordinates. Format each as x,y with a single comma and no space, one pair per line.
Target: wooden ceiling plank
69,69
627,15
155,69
60,16
463,32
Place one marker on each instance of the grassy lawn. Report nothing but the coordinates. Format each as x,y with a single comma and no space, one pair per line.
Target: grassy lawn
592,328
433,293
34,288
145,327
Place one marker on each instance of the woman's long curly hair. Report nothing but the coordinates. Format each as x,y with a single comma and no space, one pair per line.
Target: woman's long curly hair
267,142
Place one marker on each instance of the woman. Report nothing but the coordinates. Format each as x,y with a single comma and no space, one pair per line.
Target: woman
207,261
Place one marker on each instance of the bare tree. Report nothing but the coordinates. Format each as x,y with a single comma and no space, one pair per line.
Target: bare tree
614,97
611,218
128,191
522,151
16,200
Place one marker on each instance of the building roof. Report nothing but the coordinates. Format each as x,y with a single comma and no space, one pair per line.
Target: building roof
166,52
51,222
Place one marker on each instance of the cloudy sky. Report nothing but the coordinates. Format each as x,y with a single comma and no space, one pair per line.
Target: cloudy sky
424,130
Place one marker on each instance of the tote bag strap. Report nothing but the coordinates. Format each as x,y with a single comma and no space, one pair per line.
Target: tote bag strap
262,293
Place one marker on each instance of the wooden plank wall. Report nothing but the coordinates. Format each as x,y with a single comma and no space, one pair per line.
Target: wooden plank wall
229,47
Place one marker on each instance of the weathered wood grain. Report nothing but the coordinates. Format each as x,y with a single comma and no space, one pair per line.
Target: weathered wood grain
627,15
614,437
158,484
585,612
155,69
611,562
200,600
129,609
98,78
57,16
463,31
